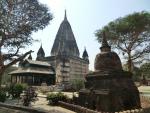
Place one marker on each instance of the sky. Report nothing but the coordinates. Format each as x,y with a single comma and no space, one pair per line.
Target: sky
85,17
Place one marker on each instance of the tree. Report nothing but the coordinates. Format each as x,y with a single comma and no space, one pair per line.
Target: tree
145,69
130,35
135,71
6,77
18,19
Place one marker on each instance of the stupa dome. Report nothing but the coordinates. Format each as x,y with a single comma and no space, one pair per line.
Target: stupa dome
107,60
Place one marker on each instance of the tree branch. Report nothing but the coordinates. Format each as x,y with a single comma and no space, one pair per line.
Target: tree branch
18,59
9,56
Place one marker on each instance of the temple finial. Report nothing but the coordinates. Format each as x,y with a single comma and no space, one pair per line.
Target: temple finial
105,46
65,17
104,41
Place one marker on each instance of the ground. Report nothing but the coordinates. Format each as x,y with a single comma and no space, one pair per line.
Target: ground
42,103
145,92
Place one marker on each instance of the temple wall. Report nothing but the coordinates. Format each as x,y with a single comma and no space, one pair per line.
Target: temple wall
70,70
78,69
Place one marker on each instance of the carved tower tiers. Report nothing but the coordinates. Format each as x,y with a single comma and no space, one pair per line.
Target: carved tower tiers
109,88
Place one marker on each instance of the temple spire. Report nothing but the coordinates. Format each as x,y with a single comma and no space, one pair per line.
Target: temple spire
65,17
65,40
105,46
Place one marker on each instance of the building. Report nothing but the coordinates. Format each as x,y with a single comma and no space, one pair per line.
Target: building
33,73
65,56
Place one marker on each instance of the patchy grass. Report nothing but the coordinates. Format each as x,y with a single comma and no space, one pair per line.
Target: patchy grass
7,110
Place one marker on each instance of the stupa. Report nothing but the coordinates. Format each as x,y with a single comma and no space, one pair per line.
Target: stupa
109,88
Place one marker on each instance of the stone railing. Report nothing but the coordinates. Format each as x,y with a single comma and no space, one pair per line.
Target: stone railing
79,109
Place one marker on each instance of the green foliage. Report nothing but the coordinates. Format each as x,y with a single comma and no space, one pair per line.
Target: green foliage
18,20
16,89
53,98
130,35
77,84
145,69
2,96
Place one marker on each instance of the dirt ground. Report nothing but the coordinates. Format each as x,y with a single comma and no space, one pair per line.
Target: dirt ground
42,103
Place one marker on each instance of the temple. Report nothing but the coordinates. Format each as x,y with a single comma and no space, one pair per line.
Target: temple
65,56
63,66
64,59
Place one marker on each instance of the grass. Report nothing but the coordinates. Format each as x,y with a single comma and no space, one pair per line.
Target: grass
7,110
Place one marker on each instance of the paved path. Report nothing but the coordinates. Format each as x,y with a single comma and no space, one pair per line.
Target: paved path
42,103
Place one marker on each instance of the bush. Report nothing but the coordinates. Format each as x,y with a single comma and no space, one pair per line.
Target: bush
16,89
2,96
54,98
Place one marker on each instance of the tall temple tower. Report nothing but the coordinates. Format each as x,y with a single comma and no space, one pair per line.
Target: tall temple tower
65,56
65,40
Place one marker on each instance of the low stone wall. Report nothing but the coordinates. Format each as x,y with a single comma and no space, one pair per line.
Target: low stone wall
22,108
80,109
145,98
145,101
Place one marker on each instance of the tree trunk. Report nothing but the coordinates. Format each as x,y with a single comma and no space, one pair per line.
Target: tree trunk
129,62
1,67
1,75
0,79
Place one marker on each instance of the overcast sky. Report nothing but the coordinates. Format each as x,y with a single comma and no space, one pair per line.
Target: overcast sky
85,17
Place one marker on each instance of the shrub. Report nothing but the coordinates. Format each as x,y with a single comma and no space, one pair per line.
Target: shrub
54,98
16,89
2,96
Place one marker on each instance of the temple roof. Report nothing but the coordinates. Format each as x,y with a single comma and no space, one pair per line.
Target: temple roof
32,66
31,70
38,63
85,54
41,51
65,41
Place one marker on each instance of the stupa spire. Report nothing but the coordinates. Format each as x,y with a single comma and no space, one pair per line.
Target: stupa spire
105,46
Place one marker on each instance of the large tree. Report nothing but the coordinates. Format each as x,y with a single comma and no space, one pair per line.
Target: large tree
130,35
18,19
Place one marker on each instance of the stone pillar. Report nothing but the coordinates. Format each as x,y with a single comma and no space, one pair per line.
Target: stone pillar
16,78
11,79
33,79
21,79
